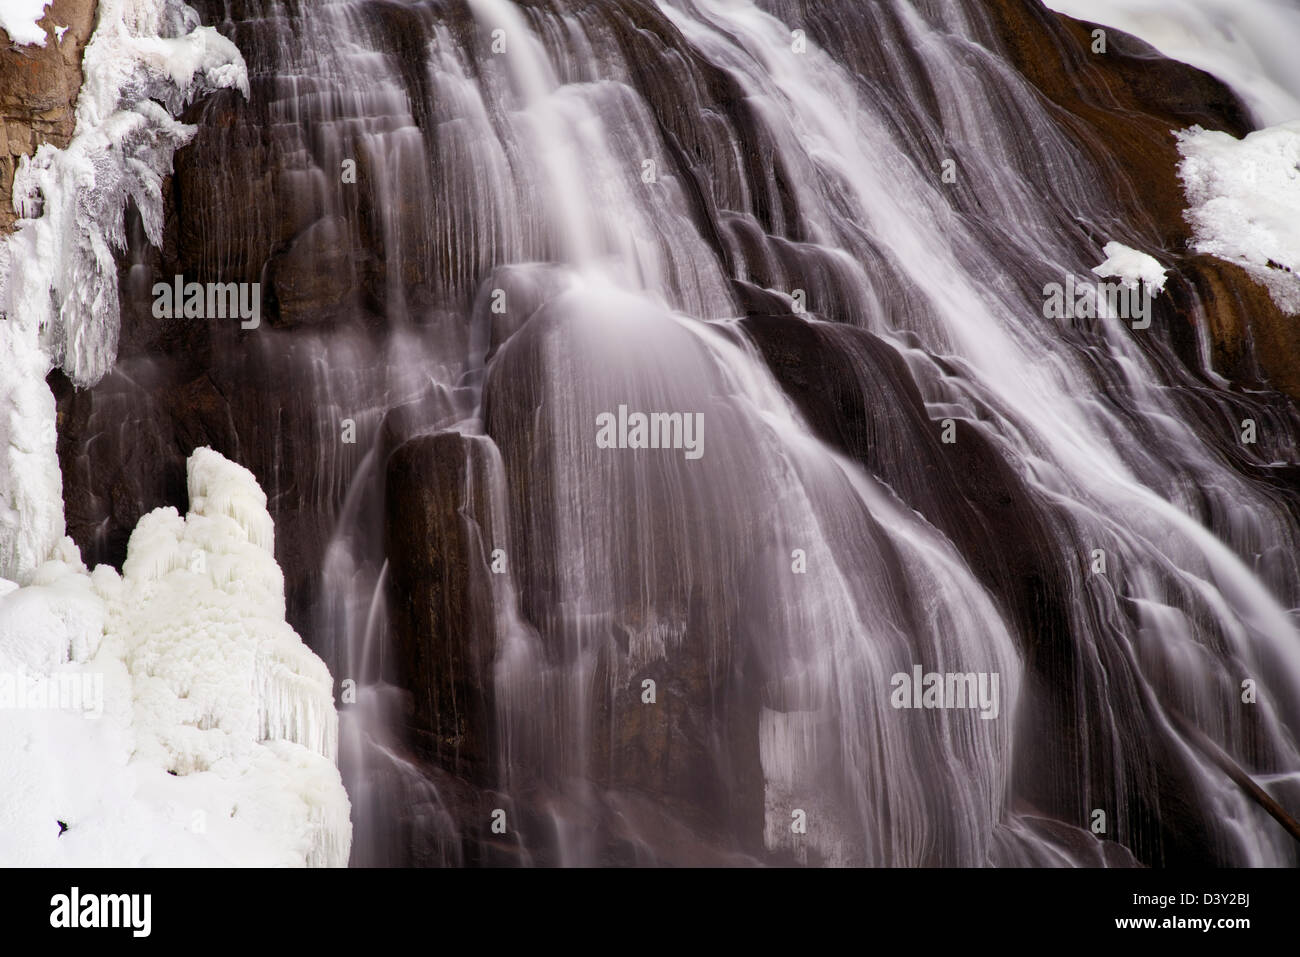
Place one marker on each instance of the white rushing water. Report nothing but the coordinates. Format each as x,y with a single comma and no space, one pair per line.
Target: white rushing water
549,161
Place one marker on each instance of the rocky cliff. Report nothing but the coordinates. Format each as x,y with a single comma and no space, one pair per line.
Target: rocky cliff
38,90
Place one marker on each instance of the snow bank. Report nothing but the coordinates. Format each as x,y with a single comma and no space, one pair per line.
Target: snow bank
18,19
217,728
58,278
1131,267
1244,203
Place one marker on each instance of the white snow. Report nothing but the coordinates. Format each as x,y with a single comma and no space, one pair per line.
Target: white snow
31,486
202,731
1244,203
1131,267
200,676
58,278
18,19
1248,44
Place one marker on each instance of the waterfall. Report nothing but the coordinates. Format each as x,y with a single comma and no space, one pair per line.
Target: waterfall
486,228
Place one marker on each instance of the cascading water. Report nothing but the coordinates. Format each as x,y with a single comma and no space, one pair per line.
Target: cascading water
493,223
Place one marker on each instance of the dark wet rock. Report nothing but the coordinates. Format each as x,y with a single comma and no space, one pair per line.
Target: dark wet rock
311,280
118,458
421,417
224,190
443,621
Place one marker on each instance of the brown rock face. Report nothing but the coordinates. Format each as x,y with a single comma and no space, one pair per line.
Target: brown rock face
1131,99
1255,342
38,91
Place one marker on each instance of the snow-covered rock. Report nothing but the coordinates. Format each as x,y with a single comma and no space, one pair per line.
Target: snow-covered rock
206,730
1244,203
1131,267
58,276
19,19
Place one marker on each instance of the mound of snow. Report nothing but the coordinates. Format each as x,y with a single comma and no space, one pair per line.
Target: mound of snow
18,19
197,729
1244,202
1131,267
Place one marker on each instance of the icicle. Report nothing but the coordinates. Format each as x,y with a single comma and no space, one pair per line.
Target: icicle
293,705
58,274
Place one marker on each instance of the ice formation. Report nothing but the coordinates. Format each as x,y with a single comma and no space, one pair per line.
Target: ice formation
63,277
58,278
18,18
167,715
1244,202
217,732
1131,267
